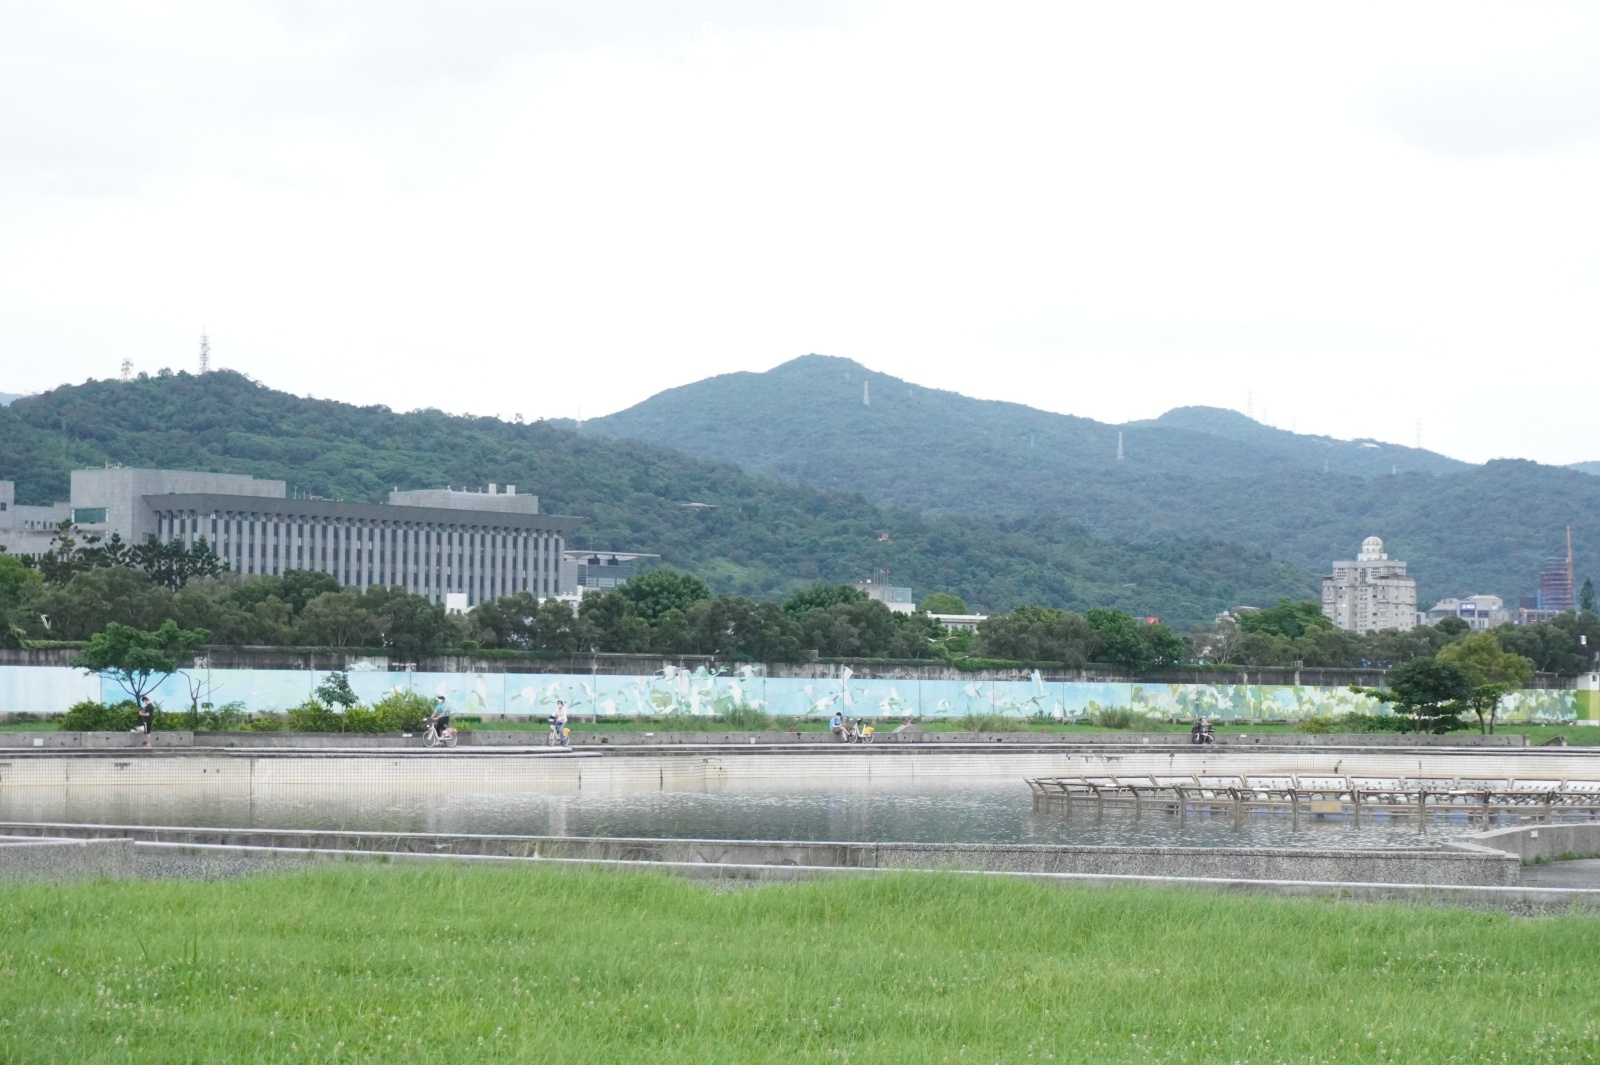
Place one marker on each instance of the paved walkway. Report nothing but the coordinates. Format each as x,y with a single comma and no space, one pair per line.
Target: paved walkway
1583,873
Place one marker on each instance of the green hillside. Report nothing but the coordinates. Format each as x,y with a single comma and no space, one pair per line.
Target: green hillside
1194,472
759,537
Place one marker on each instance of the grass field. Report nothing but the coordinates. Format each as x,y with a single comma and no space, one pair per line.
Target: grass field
368,963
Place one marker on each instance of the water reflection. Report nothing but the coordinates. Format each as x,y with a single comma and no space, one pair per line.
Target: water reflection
999,812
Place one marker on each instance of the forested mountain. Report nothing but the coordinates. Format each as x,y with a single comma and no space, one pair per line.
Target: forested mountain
7,397
757,537
1585,467
1194,472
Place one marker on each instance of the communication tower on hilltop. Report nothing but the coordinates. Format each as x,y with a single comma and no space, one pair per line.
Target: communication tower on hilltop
205,353
1119,445
127,369
866,393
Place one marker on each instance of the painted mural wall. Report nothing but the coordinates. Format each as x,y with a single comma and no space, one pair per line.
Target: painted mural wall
707,693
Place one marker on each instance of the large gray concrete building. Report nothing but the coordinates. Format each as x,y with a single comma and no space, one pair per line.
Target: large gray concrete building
452,546
1370,592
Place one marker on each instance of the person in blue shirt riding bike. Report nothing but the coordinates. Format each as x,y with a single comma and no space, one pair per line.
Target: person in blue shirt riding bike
440,721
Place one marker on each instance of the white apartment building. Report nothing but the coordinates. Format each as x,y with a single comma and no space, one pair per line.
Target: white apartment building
1370,592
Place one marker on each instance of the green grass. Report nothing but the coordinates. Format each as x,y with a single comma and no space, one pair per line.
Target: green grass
367,963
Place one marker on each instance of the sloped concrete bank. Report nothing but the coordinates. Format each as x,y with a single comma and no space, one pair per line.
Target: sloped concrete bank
1477,867
712,766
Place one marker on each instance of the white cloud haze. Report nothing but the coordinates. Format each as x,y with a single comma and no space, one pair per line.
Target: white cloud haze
1365,214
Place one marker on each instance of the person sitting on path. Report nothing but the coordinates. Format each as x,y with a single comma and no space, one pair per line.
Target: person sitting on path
836,725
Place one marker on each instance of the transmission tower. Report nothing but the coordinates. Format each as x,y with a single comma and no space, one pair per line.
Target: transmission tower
205,353
127,369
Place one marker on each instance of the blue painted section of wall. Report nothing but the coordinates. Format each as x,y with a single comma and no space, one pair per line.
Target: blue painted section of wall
703,693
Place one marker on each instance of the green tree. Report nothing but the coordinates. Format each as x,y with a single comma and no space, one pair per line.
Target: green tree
173,564
137,659
735,627
410,626
606,622
335,690
1122,642
1493,670
1586,596
655,592
19,582
859,628
93,598
1290,619
338,619
1039,634
821,597
944,603
555,627
504,622
1430,692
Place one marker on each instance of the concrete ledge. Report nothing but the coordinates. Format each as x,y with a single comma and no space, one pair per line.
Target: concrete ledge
64,859
1551,841
94,741
1479,866
200,861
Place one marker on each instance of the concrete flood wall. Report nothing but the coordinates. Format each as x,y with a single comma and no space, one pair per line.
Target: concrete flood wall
1479,868
688,768
526,738
710,691
1549,842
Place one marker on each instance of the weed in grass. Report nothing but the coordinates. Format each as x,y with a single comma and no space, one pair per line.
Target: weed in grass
558,966
995,723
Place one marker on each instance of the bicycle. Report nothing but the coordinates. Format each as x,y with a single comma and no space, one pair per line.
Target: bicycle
559,736
432,738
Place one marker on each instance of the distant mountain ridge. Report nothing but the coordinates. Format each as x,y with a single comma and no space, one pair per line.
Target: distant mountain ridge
1193,472
7,397
755,536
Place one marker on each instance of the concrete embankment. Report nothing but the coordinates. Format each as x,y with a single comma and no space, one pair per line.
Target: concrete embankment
1548,842
1480,867
710,766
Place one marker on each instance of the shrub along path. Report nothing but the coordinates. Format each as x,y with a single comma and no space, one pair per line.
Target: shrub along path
345,964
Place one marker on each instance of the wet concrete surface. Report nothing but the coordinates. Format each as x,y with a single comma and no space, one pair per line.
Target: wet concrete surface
1580,873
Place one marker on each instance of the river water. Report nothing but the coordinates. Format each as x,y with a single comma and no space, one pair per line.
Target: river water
964,812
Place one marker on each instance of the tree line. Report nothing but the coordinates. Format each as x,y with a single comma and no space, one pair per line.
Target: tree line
81,587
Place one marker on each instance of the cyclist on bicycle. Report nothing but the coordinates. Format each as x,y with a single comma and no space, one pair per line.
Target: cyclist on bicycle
558,720
440,720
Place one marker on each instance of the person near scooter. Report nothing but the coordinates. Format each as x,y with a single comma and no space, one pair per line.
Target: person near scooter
837,727
1198,732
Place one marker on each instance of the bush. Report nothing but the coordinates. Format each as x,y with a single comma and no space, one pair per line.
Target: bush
222,718
746,718
98,717
266,722
1376,723
1118,717
313,716
1320,725
995,723
402,712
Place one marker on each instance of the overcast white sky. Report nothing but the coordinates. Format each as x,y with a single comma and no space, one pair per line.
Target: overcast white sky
1363,214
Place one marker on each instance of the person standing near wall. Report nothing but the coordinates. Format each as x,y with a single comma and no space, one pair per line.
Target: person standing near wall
147,720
